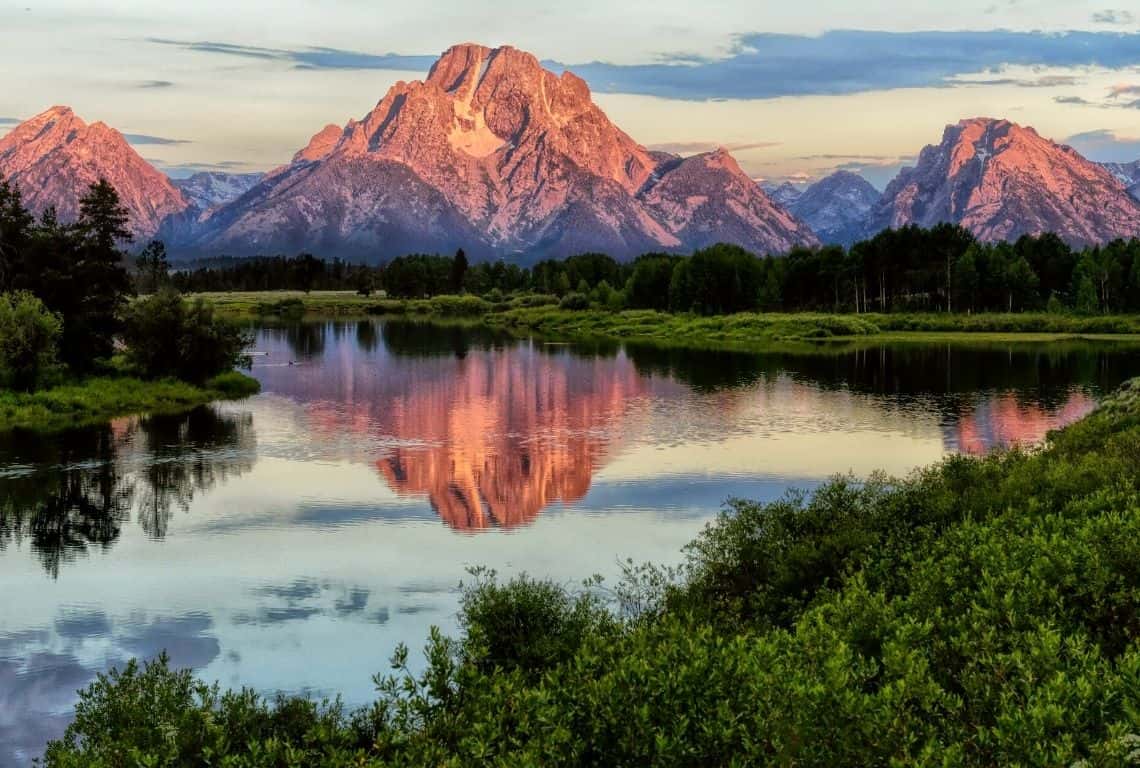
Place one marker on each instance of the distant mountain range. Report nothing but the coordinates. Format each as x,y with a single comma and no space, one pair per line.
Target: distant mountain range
836,207
496,155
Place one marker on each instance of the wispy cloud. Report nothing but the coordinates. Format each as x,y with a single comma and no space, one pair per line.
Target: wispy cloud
10,121
306,58
1045,81
182,170
154,84
1106,146
1123,89
764,66
1110,16
696,147
848,61
143,139
1080,100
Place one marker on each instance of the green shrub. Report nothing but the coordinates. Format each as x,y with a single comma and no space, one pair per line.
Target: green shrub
166,337
292,308
528,300
29,335
575,301
459,306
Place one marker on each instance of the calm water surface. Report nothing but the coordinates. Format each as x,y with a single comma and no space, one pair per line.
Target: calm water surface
287,543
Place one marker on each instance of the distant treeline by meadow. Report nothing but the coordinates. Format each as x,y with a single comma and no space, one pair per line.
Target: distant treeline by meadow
942,269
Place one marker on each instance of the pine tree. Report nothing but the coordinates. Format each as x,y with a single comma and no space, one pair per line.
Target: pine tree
15,232
153,266
100,284
458,271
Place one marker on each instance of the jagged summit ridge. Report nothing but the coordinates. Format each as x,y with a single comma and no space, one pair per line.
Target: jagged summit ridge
493,153
54,156
1002,180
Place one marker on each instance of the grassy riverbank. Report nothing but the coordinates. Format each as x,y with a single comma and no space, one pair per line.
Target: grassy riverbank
981,612
99,399
540,315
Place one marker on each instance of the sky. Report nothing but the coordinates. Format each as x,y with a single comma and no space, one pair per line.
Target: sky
795,90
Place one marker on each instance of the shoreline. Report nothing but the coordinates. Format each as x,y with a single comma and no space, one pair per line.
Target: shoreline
751,331
103,398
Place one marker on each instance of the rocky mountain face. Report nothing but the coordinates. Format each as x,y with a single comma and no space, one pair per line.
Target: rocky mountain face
836,207
1001,181
1128,174
785,194
55,156
210,189
495,154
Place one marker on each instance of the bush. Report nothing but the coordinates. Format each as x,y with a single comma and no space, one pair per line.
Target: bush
459,306
285,308
29,335
165,337
527,625
575,301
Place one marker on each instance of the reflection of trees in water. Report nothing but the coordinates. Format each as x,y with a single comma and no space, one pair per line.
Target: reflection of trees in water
1043,375
409,338
188,453
306,341
85,484
367,335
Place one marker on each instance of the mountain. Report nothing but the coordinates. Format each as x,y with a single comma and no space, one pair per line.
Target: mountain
55,156
785,194
1001,181
836,207
1129,175
495,154
210,189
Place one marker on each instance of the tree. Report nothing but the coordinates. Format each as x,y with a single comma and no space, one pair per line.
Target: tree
1086,298
648,286
1020,283
97,286
28,337
309,268
103,220
365,283
166,337
153,266
966,280
458,271
15,232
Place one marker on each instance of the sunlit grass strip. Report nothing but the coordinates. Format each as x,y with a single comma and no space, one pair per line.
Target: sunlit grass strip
100,399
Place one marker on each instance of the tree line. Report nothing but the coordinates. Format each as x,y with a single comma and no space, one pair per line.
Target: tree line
940,269
66,306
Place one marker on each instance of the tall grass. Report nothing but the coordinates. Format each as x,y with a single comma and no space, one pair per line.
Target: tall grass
99,399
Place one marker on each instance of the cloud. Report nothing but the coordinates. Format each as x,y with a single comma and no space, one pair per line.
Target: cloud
1123,89
1072,100
154,84
765,66
762,66
697,147
186,639
10,121
1106,146
1045,81
306,58
185,170
142,139
1113,17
